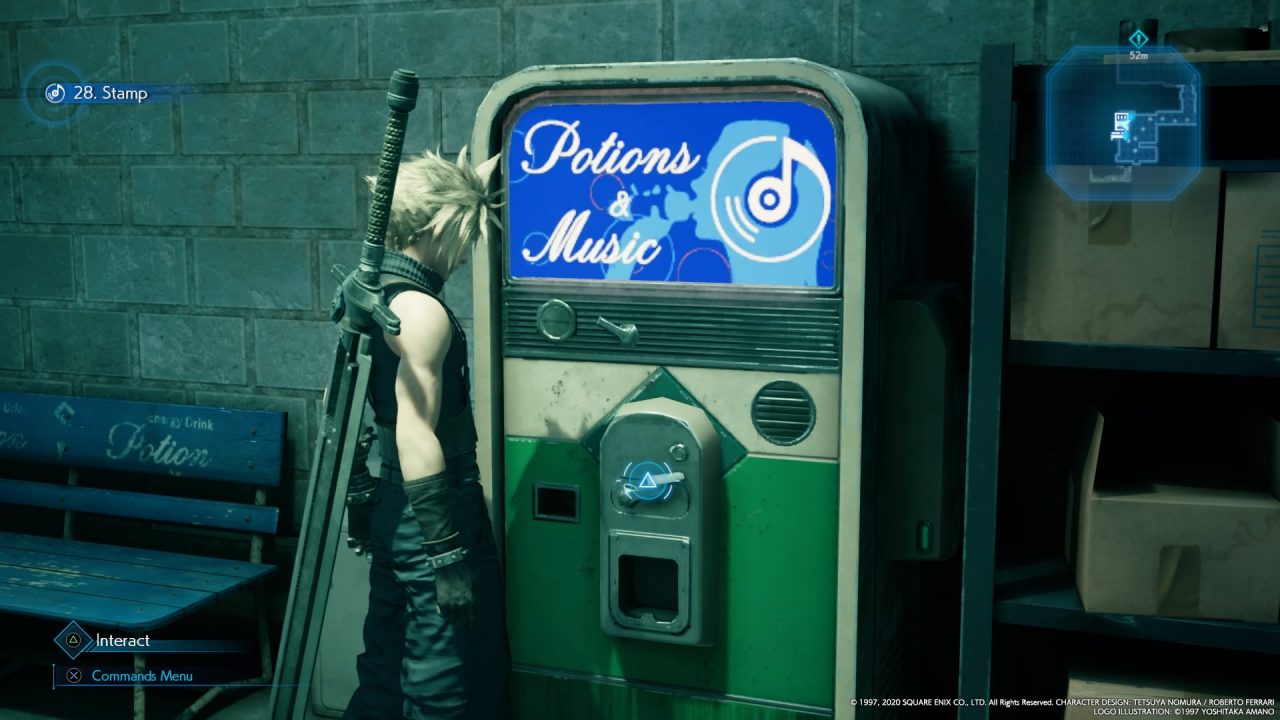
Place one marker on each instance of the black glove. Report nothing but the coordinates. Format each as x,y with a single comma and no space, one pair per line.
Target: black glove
432,501
455,597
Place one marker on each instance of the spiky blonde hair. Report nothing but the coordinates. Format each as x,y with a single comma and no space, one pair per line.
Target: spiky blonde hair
443,207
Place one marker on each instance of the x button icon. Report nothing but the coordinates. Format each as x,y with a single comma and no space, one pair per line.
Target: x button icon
73,675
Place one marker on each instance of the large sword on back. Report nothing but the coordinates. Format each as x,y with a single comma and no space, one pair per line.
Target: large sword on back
340,446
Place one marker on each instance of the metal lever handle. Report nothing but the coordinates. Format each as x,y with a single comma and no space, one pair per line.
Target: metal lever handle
663,479
626,333
626,494
667,478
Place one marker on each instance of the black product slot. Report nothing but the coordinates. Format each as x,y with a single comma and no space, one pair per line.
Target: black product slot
558,503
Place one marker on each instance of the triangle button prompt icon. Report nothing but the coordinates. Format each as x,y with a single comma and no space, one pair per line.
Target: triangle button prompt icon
73,640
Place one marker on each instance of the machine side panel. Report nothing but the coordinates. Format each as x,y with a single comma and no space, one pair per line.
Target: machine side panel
885,603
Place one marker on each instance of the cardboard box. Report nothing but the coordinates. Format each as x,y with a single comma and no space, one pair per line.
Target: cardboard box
1145,548
1135,273
1087,693
1249,296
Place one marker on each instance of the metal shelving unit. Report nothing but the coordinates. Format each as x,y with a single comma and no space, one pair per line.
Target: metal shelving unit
1144,359
1047,598
1055,604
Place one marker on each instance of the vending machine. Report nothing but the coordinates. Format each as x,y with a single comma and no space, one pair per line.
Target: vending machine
680,385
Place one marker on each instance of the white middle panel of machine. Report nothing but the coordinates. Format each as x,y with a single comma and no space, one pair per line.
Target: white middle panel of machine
563,400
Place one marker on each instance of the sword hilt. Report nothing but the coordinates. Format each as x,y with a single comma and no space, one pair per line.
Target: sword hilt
364,303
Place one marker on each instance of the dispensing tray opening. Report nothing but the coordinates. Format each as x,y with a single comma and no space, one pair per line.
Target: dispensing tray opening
648,586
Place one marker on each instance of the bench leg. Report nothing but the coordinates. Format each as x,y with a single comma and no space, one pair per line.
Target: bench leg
264,648
200,703
264,633
139,696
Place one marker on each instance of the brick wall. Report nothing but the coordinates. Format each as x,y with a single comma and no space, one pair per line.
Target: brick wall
181,252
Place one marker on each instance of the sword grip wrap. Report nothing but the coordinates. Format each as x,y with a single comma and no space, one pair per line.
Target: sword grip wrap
402,96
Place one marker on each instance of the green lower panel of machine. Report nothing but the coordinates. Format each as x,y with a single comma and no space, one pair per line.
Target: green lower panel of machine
775,563
536,696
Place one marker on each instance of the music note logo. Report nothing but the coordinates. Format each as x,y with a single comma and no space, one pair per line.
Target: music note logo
770,200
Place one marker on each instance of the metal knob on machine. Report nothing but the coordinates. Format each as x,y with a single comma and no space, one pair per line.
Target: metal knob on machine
557,320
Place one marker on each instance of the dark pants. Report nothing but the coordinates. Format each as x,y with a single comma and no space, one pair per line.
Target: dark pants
416,664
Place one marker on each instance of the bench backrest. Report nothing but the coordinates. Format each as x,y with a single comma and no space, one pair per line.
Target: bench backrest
235,446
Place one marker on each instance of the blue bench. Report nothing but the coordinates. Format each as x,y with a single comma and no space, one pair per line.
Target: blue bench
127,590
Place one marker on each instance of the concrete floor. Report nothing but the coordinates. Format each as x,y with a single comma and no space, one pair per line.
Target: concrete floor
253,707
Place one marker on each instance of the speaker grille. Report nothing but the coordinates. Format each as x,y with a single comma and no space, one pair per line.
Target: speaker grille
783,412
796,334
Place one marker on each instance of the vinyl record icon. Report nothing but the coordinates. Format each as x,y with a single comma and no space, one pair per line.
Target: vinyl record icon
46,94
774,215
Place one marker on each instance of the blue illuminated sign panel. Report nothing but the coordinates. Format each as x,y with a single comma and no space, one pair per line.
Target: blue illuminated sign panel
740,192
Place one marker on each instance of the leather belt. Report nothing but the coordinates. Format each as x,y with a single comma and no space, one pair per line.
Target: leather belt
462,467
